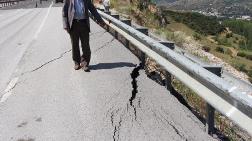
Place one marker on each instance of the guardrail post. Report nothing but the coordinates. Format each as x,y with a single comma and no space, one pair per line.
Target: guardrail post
107,12
144,30
210,119
101,10
209,109
168,79
142,55
170,45
214,69
142,58
168,76
128,22
117,17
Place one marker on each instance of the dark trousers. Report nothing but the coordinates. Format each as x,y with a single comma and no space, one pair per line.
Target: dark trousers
80,32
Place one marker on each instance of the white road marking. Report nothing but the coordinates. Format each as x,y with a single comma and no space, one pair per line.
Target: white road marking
231,111
232,89
13,82
8,91
43,22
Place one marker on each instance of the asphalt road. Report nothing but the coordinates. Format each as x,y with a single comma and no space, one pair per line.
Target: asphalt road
44,99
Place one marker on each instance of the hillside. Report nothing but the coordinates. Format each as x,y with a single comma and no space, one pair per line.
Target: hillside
228,44
204,37
223,7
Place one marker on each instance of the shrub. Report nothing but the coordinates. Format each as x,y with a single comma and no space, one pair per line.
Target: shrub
206,25
241,67
197,36
243,28
215,38
206,49
220,49
244,54
249,56
223,41
229,52
250,73
243,44
241,54
228,35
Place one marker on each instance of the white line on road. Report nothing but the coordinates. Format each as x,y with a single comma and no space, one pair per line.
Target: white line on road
43,22
13,82
7,91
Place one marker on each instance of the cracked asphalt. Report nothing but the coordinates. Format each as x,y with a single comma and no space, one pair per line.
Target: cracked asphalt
45,99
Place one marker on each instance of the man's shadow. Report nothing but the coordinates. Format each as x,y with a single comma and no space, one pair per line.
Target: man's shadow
101,66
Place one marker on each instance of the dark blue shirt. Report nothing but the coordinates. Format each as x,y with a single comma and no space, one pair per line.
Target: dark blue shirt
79,9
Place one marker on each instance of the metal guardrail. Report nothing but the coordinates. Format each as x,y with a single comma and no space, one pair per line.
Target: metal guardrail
6,3
218,94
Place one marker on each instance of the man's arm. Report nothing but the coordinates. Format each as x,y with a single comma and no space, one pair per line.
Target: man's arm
94,12
65,15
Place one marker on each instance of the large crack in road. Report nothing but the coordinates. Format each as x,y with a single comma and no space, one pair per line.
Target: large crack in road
134,74
122,114
117,116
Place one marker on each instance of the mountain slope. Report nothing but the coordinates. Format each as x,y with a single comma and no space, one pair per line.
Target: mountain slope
224,7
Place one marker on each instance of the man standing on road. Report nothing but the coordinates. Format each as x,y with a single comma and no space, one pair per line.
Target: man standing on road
76,23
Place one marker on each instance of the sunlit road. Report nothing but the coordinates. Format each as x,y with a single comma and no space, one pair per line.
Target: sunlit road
44,99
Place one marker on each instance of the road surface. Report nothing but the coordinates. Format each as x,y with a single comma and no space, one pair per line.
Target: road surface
44,99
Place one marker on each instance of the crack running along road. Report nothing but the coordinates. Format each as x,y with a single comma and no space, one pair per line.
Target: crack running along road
68,98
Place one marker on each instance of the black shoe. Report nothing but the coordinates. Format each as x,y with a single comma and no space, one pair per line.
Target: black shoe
76,66
83,63
86,68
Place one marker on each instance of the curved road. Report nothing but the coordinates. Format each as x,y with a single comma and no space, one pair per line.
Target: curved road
44,99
